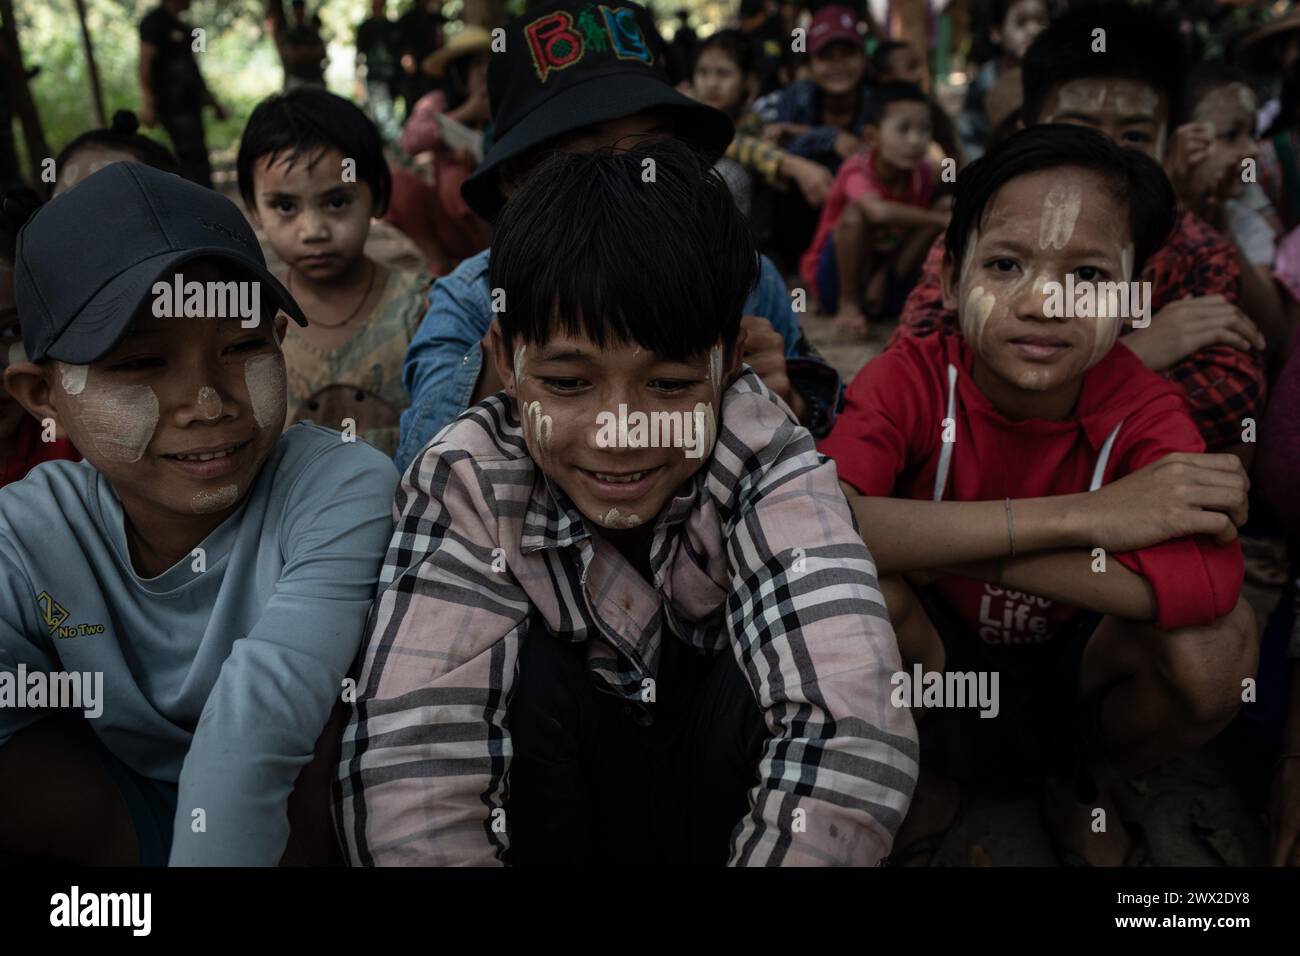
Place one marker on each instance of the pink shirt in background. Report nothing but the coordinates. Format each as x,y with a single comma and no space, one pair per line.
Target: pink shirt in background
858,177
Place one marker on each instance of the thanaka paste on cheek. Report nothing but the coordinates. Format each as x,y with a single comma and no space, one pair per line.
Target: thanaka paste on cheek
975,315
207,502
265,380
540,425
120,419
703,412
1060,211
73,377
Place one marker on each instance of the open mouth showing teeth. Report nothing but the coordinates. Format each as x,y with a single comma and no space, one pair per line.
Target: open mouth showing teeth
209,455
621,479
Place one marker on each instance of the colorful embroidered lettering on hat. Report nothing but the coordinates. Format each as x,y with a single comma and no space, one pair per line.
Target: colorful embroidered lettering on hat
625,34
553,43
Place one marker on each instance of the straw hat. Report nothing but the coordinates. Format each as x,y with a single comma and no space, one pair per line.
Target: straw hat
1253,49
467,42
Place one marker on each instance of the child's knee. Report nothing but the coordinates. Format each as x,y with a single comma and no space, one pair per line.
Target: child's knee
918,641
851,224
1206,666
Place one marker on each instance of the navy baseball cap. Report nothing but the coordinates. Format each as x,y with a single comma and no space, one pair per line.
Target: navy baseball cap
88,259
574,63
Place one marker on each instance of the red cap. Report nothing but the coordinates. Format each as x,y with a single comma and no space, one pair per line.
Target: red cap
831,24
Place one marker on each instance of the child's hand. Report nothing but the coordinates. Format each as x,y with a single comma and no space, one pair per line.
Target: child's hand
1189,146
1179,495
846,144
813,179
776,132
1184,327
765,353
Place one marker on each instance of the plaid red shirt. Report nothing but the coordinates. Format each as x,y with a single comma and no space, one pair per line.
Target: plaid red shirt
1223,385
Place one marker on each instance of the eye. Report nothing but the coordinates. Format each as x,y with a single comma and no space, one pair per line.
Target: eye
1003,265
671,384
140,364
1092,273
249,345
563,385
340,202
282,206
1135,137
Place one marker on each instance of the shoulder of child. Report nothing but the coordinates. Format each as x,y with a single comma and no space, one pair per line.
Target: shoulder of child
308,452
54,493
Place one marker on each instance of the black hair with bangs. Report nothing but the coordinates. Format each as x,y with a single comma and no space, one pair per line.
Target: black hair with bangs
640,246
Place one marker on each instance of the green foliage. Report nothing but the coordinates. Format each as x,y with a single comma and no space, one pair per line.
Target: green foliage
240,63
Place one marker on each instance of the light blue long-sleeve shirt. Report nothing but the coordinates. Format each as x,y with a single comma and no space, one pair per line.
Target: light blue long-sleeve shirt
220,679
444,359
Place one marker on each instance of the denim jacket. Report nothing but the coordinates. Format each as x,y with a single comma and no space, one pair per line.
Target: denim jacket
444,359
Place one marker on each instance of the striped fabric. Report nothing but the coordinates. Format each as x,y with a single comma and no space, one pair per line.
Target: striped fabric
757,555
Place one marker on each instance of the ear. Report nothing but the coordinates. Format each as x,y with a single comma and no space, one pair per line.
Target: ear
949,282
29,384
502,361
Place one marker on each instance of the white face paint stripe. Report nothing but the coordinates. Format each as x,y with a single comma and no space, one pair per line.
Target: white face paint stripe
206,502
208,403
265,379
73,377
1060,211
613,518
120,419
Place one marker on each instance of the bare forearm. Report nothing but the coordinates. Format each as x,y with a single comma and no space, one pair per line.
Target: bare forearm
1261,301
1070,577
906,535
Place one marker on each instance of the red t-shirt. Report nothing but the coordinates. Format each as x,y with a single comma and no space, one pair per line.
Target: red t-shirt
858,177
888,440
30,451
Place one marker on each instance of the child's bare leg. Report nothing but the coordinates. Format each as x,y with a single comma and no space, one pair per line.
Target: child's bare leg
1164,692
58,802
911,251
852,262
312,840
936,798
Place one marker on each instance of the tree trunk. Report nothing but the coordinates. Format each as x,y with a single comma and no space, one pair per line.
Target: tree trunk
92,71
21,96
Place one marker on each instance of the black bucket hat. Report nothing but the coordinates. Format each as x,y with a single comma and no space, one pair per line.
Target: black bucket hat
573,63
89,258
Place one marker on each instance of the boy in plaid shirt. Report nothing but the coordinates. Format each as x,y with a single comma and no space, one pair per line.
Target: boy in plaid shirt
591,646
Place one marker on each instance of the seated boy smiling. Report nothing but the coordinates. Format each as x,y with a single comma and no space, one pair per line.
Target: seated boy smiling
216,573
585,654
1047,497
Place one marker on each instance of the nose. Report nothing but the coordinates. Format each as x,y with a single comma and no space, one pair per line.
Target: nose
313,227
1031,301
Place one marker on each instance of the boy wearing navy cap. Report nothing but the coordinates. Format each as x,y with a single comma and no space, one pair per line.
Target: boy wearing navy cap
576,76
212,573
